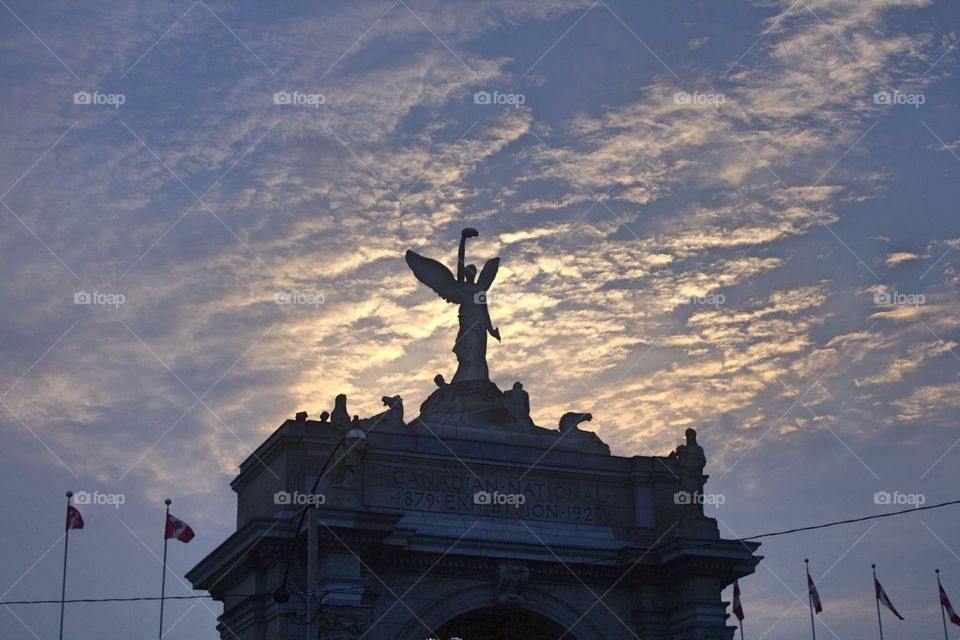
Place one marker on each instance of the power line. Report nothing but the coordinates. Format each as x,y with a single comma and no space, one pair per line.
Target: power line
770,534
850,521
130,599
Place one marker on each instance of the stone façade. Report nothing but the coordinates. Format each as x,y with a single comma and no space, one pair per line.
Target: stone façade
591,525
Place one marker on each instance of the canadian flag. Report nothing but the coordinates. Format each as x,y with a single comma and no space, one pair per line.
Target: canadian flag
885,599
945,603
74,519
177,528
737,607
814,596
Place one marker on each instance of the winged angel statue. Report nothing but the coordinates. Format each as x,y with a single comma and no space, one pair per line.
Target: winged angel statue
471,344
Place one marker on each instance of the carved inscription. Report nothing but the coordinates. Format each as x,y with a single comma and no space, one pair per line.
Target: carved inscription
499,495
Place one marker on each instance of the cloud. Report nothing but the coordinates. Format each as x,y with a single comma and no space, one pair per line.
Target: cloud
929,403
900,367
897,258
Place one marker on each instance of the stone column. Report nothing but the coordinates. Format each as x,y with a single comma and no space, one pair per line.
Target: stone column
341,579
340,587
313,571
647,614
697,612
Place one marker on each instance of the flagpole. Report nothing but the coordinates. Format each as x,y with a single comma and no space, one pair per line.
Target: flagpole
66,545
741,630
943,615
813,629
875,597
163,579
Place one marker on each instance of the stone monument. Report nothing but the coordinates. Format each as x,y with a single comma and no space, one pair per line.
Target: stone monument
469,520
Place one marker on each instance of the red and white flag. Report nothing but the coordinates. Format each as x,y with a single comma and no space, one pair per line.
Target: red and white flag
814,596
177,528
885,599
737,607
74,519
945,603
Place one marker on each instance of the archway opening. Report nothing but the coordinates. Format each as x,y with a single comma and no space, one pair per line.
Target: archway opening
503,623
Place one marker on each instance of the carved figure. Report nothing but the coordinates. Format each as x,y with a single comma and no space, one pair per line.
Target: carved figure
517,402
342,623
571,419
572,432
345,471
691,461
511,583
340,416
474,316
393,416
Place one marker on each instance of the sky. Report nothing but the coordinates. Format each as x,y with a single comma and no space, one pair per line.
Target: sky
737,217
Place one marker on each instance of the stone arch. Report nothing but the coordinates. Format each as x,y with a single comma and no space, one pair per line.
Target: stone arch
464,601
503,623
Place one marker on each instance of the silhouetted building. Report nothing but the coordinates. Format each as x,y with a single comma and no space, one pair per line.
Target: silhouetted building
469,521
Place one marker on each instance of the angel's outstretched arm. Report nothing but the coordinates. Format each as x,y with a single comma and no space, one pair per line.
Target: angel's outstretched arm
461,254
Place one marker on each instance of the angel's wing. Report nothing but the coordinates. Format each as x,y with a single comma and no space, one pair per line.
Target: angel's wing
489,272
436,276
